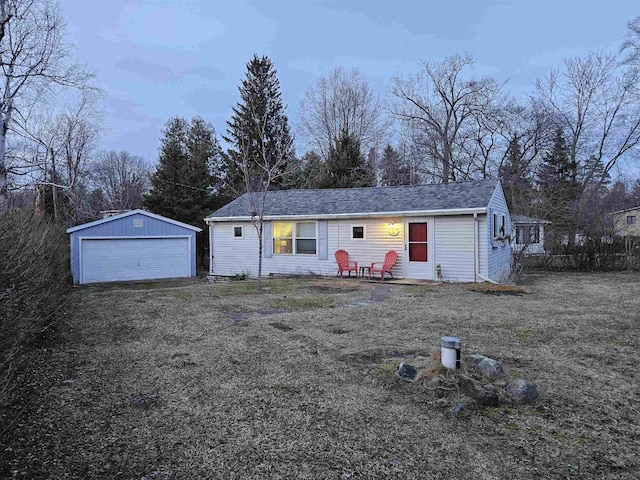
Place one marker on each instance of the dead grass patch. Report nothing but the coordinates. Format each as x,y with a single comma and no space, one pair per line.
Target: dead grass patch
496,289
252,399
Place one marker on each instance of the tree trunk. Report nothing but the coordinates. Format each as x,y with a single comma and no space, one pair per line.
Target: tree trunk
4,181
260,235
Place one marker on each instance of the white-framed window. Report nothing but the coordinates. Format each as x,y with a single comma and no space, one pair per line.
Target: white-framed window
357,232
534,234
294,238
631,220
238,231
499,225
137,222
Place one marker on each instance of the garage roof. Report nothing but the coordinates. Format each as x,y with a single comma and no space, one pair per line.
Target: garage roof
129,213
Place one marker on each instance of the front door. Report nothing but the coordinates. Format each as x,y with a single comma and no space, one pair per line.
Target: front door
418,249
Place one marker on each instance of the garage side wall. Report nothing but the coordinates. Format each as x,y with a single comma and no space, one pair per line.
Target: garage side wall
133,226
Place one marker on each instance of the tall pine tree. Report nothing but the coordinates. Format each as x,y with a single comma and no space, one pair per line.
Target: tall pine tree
259,133
557,178
516,182
394,172
346,167
183,187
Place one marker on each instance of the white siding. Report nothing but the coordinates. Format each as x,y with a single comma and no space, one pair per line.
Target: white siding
483,246
373,247
232,256
499,253
454,247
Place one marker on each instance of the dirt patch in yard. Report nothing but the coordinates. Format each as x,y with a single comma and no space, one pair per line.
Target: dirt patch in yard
159,383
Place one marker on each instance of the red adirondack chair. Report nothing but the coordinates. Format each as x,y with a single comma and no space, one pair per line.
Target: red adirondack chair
385,267
344,265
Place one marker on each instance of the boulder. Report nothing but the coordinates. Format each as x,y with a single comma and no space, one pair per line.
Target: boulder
490,368
487,398
521,391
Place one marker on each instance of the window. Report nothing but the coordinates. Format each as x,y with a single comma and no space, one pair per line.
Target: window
534,234
631,219
294,238
499,225
357,232
137,222
520,235
237,232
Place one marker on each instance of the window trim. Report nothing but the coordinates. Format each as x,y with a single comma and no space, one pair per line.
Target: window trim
241,236
294,237
632,220
364,232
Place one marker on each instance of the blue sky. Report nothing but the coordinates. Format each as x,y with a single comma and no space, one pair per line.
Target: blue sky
157,59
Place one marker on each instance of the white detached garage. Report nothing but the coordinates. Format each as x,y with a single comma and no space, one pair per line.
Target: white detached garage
134,245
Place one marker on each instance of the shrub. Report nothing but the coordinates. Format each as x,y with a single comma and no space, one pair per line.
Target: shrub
34,282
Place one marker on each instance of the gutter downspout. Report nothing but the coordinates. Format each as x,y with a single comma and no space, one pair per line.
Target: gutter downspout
210,248
476,252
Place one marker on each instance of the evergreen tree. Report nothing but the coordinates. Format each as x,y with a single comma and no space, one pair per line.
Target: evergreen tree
259,132
346,167
394,172
183,187
559,186
314,170
516,183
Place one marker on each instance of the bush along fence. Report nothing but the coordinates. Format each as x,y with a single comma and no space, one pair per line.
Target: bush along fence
593,253
34,283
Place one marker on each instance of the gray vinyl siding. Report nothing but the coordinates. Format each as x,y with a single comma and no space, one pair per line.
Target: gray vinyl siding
454,247
124,228
499,253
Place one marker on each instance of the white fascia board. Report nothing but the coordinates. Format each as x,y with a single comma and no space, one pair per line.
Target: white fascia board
128,214
339,216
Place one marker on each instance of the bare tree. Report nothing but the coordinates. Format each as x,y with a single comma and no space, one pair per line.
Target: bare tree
441,103
34,60
631,44
55,146
260,172
122,178
342,103
596,102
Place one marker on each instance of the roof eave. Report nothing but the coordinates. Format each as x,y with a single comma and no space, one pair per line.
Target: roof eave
338,216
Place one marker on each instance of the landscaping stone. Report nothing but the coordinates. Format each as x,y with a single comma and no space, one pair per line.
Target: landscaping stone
487,398
407,372
490,368
474,358
458,409
522,391
490,387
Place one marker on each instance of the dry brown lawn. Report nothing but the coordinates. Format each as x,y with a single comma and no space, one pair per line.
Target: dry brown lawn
175,380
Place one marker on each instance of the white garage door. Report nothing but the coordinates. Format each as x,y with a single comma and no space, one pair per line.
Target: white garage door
113,260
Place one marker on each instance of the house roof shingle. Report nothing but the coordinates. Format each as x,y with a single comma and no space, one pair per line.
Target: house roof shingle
472,194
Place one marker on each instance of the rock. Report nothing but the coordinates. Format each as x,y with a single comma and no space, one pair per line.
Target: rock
490,387
487,399
474,358
407,372
458,409
472,389
490,368
522,391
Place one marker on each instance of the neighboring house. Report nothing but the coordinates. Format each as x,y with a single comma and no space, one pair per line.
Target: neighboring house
134,245
455,231
529,234
627,222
